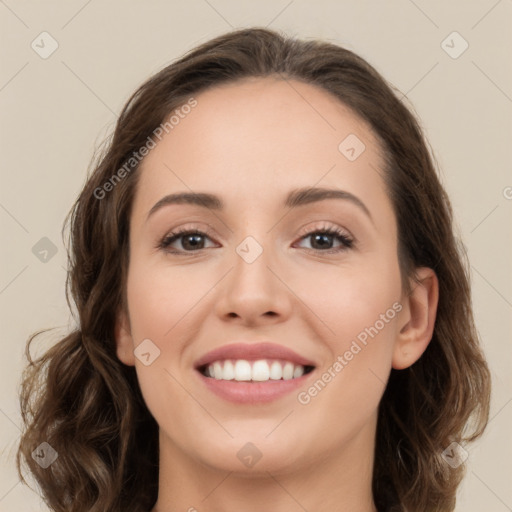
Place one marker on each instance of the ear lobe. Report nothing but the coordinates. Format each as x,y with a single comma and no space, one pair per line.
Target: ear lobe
123,339
418,319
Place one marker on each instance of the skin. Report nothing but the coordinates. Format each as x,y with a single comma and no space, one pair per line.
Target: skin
251,143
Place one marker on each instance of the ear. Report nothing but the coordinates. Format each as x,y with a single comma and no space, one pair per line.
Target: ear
123,338
417,319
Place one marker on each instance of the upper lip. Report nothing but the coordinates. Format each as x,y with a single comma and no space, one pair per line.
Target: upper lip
252,352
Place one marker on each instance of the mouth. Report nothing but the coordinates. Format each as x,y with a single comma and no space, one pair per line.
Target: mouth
261,370
251,373
254,382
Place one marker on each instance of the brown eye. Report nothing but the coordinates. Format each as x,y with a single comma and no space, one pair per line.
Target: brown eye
188,241
323,240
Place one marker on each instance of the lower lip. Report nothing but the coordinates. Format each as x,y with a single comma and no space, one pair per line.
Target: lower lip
253,392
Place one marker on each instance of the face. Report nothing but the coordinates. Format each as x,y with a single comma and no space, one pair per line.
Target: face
318,276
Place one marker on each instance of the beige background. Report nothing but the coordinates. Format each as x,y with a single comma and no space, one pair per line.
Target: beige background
55,110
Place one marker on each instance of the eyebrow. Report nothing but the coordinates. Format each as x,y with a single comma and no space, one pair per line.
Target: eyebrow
295,198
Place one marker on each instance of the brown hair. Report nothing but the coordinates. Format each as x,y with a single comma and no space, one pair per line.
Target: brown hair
87,405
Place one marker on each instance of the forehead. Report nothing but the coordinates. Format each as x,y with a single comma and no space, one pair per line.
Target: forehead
262,136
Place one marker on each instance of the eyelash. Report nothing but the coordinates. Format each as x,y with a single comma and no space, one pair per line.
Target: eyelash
346,241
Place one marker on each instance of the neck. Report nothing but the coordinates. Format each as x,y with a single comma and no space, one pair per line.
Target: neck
340,481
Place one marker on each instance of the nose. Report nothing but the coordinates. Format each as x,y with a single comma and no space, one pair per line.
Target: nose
254,293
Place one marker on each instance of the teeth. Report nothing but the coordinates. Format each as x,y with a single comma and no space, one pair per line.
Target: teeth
242,370
276,371
258,371
217,370
288,371
298,371
229,371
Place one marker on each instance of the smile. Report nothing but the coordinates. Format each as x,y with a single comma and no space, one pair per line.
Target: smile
261,370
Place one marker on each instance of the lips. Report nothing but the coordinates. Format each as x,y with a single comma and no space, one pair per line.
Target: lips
252,352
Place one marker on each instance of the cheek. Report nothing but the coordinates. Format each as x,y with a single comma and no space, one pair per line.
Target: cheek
349,386
348,298
160,297
158,303
164,301
359,310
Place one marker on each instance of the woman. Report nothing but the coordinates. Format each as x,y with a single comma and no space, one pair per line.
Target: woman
274,312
